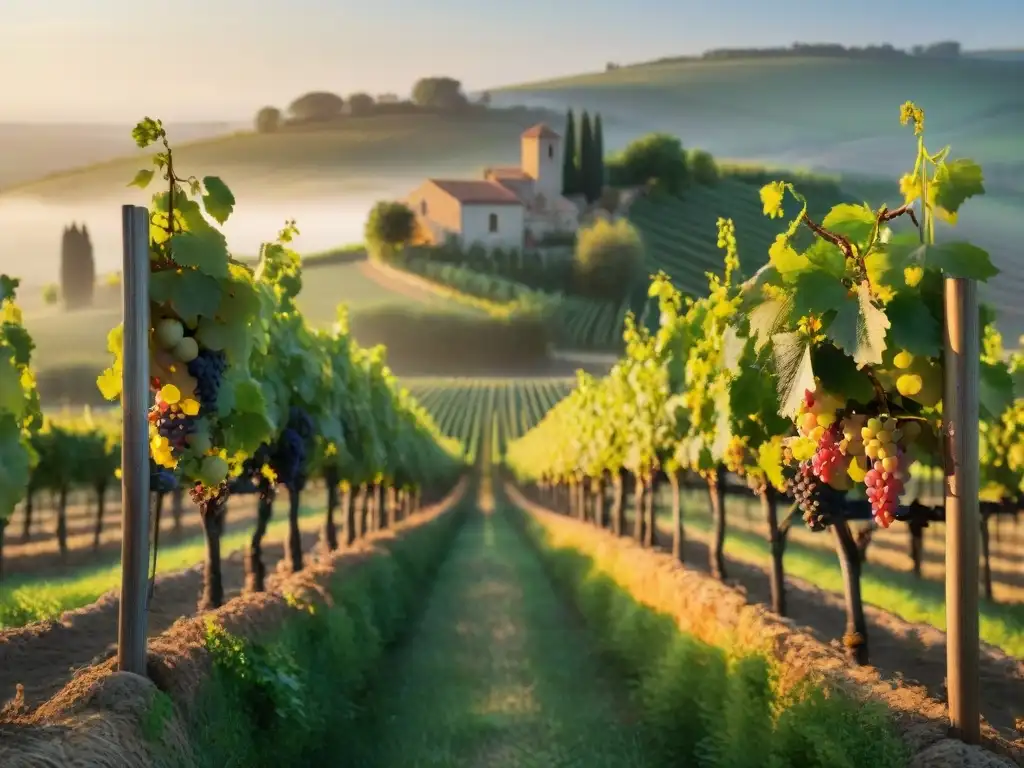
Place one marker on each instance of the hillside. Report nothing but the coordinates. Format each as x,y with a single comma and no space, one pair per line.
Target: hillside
341,157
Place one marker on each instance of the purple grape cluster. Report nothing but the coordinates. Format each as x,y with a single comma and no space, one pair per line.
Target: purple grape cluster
208,371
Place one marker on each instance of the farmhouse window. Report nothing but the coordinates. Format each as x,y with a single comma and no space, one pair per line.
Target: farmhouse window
492,222
551,150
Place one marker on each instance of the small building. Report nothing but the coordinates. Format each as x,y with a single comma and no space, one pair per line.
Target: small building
511,207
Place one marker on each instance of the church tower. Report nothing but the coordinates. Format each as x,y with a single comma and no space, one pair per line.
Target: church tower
542,160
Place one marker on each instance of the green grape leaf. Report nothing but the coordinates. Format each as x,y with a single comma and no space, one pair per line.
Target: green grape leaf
218,200
995,390
826,256
839,374
816,293
205,252
768,318
955,181
886,262
792,353
859,328
230,338
15,466
142,178
787,262
959,259
913,327
769,459
19,341
855,222
12,396
192,294
8,287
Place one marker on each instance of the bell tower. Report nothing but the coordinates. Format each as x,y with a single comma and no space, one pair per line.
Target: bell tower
542,160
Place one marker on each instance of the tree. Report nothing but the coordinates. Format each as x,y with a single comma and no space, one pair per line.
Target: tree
361,103
570,173
438,93
77,268
268,120
703,168
657,158
609,258
597,161
585,158
316,106
390,225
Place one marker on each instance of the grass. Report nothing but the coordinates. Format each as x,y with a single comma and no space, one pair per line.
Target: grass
30,598
357,153
498,673
897,592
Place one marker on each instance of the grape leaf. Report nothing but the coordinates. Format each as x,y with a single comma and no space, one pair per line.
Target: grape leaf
218,200
769,459
20,342
955,181
856,222
859,328
959,259
230,338
787,262
109,383
913,327
8,287
839,374
203,251
192,294
995,390
12,396
142,178
816,293
823,254
15,465
767,319
792,352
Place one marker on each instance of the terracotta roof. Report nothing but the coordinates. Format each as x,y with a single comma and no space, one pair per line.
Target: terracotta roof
506,172
540,131
483,192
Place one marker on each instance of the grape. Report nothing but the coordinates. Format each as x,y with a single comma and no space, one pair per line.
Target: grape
208,370
828,461
161,480
903,360
289,455
187,349
214,471
884,483
169,332
909,384
172,424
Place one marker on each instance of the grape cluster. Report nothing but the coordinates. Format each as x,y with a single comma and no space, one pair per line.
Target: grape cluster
300,421
885,478
289,456
809,495
161,480
735,455
207,368
828,461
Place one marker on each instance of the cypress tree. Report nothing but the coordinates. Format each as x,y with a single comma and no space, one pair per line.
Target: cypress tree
570,174
586,157
598,161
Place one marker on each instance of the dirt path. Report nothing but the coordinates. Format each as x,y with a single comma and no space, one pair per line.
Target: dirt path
899,649
497,674
44,656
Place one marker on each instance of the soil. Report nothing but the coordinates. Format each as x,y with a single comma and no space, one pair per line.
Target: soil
900,650
44,656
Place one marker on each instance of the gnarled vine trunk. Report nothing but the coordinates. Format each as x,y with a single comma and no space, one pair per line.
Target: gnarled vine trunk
62,521
294,533
26,525
177,506
391,507
101,506
650,524
362,510
856,638
916,545
255,570
213,512
329,533
618,504
678,533
348,504
986,558
716,552
777,547
380,513
638,508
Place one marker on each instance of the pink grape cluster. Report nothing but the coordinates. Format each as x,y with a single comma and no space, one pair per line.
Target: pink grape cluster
829,459
885,478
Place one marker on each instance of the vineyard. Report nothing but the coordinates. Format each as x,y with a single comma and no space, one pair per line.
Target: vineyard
321,538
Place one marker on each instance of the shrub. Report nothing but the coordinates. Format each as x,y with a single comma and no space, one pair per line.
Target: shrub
609,258
51,294
703,168
360,103
390,225
268,120
656,157
315,106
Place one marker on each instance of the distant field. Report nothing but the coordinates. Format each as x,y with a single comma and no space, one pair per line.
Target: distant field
465,408
350,155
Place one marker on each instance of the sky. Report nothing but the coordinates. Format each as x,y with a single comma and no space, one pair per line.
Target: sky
210,60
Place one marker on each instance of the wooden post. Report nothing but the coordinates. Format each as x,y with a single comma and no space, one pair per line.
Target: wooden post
131,618
960,413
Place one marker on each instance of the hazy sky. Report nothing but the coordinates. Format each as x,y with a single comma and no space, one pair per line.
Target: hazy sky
109,60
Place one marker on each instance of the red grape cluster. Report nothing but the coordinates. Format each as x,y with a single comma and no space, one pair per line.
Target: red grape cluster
829,459
884,479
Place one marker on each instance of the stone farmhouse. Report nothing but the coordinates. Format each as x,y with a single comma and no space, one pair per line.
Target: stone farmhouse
509,208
